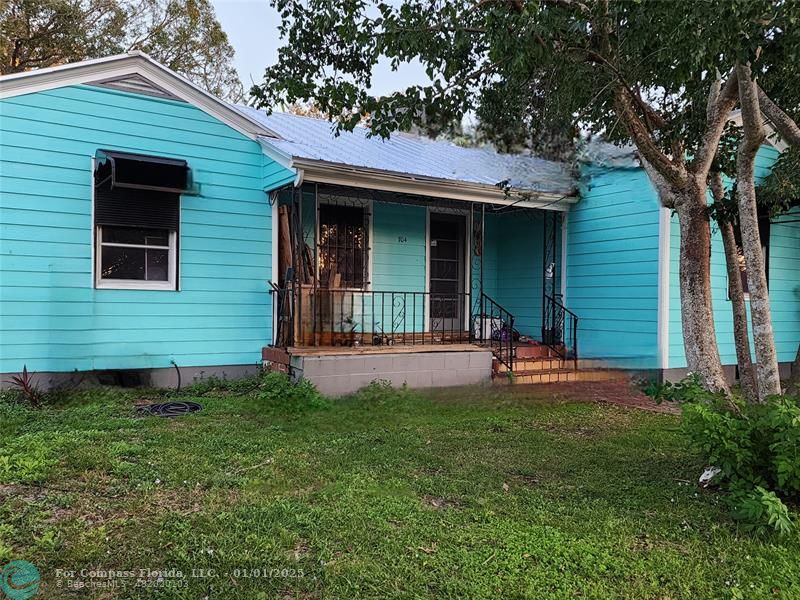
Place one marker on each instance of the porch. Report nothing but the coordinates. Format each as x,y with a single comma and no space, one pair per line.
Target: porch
367,273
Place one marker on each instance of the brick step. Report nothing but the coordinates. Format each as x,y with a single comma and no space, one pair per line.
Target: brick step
559,376
534,351
533,364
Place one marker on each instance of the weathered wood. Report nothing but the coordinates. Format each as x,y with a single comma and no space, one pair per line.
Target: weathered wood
284,244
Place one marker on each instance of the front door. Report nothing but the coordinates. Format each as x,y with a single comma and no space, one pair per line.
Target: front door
446,274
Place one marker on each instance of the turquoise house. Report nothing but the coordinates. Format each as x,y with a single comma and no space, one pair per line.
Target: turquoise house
151,233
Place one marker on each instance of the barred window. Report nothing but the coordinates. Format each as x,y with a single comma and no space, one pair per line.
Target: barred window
342,246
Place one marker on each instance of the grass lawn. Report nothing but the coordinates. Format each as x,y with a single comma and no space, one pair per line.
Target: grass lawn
479,493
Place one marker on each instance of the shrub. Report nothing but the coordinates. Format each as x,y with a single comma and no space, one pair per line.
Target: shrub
756,446
279,391
380,392
689,390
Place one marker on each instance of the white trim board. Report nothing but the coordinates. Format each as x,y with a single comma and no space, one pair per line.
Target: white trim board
133,63
664,242
274,275
340,174
773,138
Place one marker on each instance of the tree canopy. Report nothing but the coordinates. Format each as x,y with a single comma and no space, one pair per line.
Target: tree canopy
184,35
663,75
530,65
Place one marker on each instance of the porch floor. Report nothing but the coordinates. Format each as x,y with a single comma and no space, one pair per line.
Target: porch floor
390,349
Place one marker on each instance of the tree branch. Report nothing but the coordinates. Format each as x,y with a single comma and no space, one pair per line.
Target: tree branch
671,172
652,117
721,101
782,122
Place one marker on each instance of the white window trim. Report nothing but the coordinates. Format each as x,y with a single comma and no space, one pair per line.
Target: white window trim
135,284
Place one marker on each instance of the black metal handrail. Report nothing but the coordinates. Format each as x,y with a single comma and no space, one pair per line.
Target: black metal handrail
494,327
560,329
308,316
352,317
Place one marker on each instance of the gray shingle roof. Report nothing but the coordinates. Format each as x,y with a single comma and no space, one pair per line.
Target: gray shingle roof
314,139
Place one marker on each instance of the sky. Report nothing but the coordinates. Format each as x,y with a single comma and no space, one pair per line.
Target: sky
252,28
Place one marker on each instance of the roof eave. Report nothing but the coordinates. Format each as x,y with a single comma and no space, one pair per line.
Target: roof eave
136,62
339,174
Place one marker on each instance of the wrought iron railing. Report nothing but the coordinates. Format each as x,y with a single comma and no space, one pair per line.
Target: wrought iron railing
560,329
350,317
308,316
494,327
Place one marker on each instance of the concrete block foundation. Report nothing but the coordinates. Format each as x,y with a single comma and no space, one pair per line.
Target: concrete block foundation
340,374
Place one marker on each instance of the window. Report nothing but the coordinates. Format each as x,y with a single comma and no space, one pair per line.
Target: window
342,246
137,218
135,257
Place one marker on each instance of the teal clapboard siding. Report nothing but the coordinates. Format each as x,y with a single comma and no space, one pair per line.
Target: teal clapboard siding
398,265
784,284
519,272
51,317
512,266
612,267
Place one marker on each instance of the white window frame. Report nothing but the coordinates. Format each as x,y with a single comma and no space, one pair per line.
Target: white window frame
137,284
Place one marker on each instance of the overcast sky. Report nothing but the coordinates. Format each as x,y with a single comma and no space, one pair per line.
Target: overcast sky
252,27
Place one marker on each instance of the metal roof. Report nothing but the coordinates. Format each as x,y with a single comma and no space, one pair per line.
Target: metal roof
311,139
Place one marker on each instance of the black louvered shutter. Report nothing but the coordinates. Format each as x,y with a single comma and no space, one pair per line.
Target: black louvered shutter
126,207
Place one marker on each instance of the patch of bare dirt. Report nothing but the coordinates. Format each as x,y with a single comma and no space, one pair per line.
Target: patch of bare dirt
440,502
619,393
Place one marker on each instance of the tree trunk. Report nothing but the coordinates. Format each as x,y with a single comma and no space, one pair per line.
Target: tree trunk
747,373
794,379
697,313
768,377
739,310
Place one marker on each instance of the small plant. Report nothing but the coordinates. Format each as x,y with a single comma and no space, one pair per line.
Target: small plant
380,392
280,392
26,387
755,446
761,510
689,389
216,385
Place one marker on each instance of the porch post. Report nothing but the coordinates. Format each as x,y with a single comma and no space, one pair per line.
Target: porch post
483,225
476,264
316,305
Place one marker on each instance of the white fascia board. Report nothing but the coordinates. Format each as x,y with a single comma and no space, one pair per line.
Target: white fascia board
664,242
284,159
134,63
337,174
773,138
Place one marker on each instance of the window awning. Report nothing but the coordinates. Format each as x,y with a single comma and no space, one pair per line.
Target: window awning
142,172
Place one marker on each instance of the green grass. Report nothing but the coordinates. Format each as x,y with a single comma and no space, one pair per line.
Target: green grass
479,493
